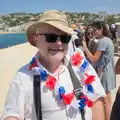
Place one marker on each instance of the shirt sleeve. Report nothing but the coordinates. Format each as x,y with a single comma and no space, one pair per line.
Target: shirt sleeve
92,86
15,101
102,45
98,90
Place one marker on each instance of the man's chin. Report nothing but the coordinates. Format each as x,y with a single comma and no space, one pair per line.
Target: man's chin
56,58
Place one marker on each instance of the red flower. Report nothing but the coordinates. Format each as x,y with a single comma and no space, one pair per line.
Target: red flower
83,96
32,65
76,59
50,83
90,79
68,98
89,103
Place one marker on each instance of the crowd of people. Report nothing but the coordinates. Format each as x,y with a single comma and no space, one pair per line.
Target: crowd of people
70,77
102,58
99,50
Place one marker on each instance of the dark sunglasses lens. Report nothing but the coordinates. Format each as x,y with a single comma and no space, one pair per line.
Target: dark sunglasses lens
65,38
51,38
89,33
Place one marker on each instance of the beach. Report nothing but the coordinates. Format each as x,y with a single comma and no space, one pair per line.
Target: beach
12,58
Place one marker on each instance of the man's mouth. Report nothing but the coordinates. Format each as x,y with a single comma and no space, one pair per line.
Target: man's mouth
55,49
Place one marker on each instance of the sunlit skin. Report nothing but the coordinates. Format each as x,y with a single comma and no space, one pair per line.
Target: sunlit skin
51,54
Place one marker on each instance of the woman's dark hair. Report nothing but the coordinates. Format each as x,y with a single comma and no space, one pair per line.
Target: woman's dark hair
102,25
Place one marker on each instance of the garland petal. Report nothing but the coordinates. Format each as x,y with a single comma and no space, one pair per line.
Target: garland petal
50,83
85,101
68,98
33,63
61,92
32,66
90,88
76,59
90,79
85,64
43,75
89,103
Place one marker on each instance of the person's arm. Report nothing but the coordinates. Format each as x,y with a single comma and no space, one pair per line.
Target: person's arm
117,67
98,110
10,118
93,58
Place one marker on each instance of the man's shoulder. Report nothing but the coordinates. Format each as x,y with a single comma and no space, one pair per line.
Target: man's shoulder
23,76
24,71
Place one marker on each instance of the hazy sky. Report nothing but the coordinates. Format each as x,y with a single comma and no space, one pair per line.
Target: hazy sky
36,6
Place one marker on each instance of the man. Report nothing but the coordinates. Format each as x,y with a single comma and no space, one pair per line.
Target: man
51,36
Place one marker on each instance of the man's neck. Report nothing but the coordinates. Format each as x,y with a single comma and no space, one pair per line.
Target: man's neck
52,66
55,68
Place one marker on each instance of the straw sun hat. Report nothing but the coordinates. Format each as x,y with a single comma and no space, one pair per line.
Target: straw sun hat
52,17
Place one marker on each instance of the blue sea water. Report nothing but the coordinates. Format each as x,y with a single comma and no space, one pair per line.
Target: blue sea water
12,39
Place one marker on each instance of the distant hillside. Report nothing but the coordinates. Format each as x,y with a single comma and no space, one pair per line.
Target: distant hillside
16,19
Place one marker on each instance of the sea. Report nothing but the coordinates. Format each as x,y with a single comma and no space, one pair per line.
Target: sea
12,39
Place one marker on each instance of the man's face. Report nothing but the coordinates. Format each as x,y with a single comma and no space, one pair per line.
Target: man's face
50,51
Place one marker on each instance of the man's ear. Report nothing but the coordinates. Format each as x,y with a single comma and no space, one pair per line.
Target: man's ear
35,39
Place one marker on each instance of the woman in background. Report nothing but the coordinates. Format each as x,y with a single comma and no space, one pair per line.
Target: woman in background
91,42
103,59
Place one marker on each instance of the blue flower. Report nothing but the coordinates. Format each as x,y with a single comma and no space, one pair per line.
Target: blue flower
82,103
82,106
84,65
90,88
33,60
61,91
43,75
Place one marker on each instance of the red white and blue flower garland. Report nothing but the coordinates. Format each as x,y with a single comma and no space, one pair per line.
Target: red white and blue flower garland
77,60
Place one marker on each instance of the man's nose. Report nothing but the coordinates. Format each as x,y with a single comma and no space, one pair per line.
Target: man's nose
58,41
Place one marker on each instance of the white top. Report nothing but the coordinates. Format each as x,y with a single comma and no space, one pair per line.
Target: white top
20,104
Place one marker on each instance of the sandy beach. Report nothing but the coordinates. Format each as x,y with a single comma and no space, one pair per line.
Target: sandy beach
11,59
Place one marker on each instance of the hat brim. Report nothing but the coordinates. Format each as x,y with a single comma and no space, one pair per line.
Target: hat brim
31,30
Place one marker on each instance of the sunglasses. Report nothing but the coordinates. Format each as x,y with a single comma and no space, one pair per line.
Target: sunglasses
52,38
89,33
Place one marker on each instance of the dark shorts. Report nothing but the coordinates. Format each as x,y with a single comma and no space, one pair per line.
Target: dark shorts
115,114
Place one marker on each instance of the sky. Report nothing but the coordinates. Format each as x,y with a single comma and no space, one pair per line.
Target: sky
37,6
